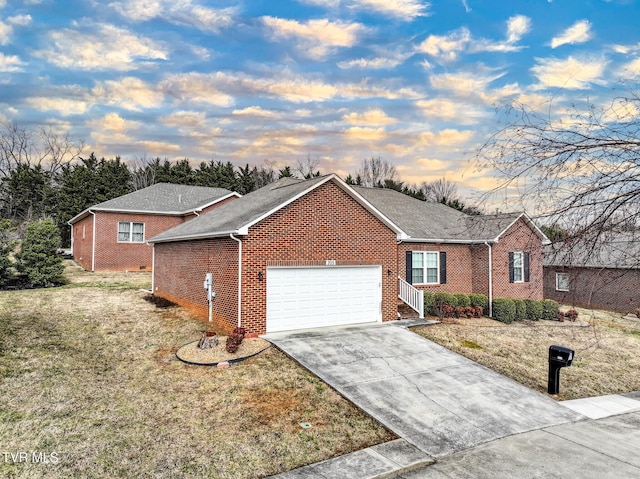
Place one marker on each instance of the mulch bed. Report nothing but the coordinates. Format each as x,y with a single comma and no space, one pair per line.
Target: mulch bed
192,354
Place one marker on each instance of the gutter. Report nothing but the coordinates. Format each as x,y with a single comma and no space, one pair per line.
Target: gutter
239,278
490,279
222,234
93,243
447,241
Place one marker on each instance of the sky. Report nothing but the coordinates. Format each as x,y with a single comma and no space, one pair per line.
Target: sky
416,83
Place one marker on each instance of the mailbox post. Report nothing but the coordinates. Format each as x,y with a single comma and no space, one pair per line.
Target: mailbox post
559,357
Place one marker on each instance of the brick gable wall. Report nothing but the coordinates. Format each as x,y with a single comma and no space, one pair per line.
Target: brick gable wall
326,224
517,238
82,232
602,288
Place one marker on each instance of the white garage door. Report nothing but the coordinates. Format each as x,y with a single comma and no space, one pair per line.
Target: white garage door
300,298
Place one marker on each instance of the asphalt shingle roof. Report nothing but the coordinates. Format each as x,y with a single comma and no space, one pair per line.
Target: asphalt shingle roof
241,212
621,251
164,198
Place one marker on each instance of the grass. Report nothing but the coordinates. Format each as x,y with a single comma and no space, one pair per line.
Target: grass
607,348
88,371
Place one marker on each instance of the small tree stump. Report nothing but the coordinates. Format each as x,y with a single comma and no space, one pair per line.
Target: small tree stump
208,340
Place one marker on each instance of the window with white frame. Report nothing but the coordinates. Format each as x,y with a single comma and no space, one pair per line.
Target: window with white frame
518,267
130,232
425,267
562,281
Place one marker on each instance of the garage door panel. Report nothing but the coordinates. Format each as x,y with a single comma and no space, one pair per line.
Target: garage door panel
315,297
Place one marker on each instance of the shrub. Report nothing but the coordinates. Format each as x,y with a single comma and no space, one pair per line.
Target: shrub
534,309
38,257
571,315
443,299
550,309
446,311
234,341
477,311
428,302
637,312
476,299
460,312
504,310
561,316
470,311
521,309
462,300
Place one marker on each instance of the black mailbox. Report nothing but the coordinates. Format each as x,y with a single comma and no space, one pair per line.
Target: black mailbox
559,357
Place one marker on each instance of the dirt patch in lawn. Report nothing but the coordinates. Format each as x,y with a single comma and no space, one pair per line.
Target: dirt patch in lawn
88,371
606,346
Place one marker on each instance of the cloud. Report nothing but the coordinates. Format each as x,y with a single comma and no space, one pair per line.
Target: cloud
185,119
579,32
6,28
108,48
517,27
10,63
446,47
315,38
447,137
451,110
373,117
570,73
630,68
406,10
255,111
64,106
177,12
322,3
129,93
358,133
196,88
377,63
466,83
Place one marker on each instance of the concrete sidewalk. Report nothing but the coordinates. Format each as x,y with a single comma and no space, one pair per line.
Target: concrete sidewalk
595,449
433,398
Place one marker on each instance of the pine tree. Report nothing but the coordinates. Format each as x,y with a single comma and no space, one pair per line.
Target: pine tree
38,257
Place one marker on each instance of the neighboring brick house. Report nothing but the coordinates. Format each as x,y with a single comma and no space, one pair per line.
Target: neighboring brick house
112,236
605,276
308,253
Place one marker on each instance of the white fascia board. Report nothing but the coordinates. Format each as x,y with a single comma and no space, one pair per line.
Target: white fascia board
531,225
449,241
79,216
206,205
221,234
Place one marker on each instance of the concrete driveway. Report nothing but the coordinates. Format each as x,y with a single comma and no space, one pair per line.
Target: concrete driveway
435,399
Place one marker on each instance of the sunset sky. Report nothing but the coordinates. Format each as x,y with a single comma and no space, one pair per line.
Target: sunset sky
414,82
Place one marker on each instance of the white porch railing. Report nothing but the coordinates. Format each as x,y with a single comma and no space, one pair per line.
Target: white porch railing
412,296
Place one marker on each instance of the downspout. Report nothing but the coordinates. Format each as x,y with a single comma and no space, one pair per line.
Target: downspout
490,280
239,278
93,243
153,269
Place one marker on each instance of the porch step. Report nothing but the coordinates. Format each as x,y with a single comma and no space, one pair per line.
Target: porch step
405,311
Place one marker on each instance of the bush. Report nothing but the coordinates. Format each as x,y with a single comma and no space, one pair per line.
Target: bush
470,311
477,311
462,300
38,258
479,300
428,302
460,312
504,310
441,300
234,341
534,309
550,309
571,315
521,309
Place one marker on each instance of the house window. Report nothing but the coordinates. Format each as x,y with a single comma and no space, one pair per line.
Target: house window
129,232
562,281
518,267
426,267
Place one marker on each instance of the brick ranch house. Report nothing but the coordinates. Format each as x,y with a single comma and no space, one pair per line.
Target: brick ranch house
607,277
112,236
310,253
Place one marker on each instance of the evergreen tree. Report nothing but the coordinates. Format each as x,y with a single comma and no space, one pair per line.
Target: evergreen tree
6,246
38,257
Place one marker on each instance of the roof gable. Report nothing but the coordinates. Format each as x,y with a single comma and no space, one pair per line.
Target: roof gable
163,198
239,216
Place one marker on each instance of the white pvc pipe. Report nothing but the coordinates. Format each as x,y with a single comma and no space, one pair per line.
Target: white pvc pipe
490,280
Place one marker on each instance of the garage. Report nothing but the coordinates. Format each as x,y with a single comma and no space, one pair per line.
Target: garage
313,297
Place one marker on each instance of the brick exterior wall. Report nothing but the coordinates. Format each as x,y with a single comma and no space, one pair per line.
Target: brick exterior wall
326,224
180,269
459,270
112,255
467,265
600,288
82,232
517,238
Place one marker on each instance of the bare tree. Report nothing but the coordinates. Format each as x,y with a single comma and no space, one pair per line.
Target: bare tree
581,172
143,172
374,172
41,147
440,191
307,167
